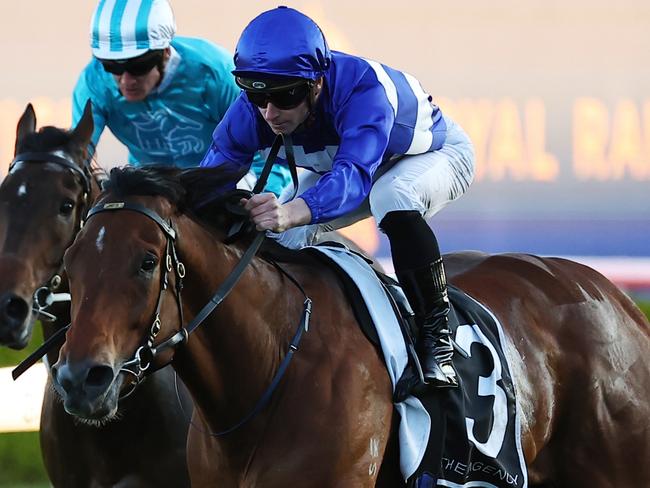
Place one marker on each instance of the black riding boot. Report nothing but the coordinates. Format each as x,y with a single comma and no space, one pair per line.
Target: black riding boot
426,290
419,269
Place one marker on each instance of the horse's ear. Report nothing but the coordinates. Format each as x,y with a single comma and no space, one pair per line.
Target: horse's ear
83,132
26,126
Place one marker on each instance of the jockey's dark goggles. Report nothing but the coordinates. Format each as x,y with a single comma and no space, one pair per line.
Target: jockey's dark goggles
136,66
284,97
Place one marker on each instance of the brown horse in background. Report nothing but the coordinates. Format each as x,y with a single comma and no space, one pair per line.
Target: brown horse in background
578,349
43,200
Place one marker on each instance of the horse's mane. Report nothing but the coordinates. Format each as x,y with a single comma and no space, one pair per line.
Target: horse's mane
190,190
147,181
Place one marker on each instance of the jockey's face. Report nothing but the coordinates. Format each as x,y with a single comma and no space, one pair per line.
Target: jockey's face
136,88
286,121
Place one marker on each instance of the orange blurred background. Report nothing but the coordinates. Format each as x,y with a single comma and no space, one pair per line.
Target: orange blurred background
555,95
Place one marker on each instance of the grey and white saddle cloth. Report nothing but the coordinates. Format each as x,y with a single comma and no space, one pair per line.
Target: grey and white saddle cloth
476,425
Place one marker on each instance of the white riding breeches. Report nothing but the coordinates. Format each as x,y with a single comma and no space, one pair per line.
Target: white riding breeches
423,182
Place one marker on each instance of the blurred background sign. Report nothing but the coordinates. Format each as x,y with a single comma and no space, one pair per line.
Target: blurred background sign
555,96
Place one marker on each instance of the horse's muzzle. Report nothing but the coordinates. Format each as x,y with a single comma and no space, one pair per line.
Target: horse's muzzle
15,321
88,390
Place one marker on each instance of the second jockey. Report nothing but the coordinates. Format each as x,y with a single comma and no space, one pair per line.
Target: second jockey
160,95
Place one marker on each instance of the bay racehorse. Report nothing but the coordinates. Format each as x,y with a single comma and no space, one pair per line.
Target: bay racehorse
578,348
43,201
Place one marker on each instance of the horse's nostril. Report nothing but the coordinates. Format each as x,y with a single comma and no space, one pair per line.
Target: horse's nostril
63,378
15,308
99,376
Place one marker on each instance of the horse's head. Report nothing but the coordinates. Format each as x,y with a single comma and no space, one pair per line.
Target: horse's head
42,201
124,271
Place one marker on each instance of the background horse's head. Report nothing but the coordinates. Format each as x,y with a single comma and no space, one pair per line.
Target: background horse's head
122,269
42,203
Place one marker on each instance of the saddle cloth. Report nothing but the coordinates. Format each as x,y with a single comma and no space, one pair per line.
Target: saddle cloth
482,446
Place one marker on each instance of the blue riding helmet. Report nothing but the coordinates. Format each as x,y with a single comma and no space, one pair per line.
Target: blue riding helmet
282,42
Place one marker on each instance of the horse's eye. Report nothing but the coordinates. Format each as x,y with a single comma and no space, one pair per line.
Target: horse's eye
148,264
66,207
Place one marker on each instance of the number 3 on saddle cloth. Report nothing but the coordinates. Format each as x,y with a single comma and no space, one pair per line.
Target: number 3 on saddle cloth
477,424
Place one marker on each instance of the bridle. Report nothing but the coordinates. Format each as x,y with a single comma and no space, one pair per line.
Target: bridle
139,367
45,295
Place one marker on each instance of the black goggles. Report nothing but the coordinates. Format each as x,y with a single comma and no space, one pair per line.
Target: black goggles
282,98
136,67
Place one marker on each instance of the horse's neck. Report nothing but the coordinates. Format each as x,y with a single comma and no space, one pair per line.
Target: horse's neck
232,357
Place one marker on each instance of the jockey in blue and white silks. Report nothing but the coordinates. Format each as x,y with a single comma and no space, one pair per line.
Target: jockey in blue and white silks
373,142
160,96
366,114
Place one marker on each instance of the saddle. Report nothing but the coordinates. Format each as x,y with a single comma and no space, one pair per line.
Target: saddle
475,434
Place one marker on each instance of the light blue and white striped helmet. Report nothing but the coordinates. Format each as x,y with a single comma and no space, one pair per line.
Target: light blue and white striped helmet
123,29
